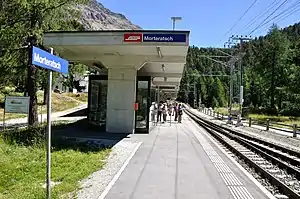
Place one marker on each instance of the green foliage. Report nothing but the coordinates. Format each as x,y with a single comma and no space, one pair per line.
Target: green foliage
271,71
29,136
221,93
21,20
75,71
32,136
22,169
18,20
7,91
210,90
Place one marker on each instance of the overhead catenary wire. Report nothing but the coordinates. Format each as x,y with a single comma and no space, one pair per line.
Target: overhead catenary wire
294,8
289,14
223,52
284,14
271,6
257,27
241,17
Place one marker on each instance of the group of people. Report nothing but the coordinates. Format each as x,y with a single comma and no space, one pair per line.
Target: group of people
164,109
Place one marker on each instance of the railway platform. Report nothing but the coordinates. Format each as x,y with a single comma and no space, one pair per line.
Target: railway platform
180,161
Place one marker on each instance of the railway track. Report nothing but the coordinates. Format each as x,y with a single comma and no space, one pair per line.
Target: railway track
279,165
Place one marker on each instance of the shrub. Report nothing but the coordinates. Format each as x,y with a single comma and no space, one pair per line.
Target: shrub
31,136
291,111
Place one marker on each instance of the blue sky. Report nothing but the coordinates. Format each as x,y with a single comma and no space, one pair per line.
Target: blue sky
208,20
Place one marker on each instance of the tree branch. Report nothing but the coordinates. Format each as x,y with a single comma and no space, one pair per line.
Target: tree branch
11,24
55,6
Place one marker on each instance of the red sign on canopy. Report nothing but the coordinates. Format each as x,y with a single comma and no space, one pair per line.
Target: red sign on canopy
133,37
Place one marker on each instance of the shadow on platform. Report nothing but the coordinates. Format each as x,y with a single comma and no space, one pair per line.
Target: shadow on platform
83,112
81,132
79,135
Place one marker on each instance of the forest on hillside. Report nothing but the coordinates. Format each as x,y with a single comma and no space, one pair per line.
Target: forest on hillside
22,24
271,74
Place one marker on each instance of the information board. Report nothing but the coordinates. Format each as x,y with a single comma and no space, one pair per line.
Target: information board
15,104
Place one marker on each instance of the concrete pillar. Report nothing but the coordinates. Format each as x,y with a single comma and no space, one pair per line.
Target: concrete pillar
121,96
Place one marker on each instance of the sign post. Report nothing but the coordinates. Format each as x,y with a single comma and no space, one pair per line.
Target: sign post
53,63
4,120
49,132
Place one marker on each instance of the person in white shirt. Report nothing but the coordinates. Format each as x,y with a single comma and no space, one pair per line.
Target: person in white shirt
153,111
164,112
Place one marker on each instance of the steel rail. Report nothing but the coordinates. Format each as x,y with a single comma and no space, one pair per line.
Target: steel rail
213,129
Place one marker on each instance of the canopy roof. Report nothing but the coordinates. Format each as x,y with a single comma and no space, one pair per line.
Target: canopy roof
156,53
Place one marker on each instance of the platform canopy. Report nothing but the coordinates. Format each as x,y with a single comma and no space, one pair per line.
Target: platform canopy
157,53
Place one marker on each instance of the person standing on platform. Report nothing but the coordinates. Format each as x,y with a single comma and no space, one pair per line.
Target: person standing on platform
173,108
153,112
164,112
170,110
180,112
159,112
176,111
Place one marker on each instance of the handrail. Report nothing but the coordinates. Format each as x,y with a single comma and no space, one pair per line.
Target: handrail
268,124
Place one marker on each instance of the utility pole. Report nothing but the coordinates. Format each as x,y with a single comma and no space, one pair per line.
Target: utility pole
229,121
241,39
174,19
187,93
231,65
195,103
228,44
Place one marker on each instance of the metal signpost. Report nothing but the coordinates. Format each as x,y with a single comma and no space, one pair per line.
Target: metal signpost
158,100
52,63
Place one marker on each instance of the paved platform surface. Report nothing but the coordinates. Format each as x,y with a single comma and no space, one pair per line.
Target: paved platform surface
180,162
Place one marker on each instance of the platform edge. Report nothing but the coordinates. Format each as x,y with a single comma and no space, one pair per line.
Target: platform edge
118,174
258,184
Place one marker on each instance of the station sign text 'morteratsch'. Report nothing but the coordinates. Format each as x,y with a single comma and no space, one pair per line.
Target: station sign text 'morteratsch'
48,61
164,37
154,37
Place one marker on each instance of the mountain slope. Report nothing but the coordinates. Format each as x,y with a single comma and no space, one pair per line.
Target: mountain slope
96,17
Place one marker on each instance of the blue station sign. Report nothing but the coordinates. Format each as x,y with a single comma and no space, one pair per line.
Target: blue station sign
176,38
48,61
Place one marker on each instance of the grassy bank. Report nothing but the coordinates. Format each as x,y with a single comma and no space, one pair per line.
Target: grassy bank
23,166
83,97
60,102
263,118
278,119
222,110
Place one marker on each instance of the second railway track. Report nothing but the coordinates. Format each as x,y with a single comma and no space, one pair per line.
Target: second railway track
279,165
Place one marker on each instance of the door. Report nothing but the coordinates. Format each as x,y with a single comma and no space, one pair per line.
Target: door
97,101
143,101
